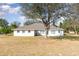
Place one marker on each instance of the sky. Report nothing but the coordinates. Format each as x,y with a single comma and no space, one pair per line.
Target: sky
11,12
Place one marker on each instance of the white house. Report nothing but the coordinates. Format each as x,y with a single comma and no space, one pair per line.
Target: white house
37,29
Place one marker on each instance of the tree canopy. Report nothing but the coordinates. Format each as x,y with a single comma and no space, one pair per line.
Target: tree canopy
15,24
3,23
43,11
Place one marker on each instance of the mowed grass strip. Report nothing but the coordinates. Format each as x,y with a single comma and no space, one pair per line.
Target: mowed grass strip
37,46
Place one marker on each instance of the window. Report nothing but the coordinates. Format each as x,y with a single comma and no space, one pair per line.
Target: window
52,32
28,30
23,31
58,31
17,30
42,31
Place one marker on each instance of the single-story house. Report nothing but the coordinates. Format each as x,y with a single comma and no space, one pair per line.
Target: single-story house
38,29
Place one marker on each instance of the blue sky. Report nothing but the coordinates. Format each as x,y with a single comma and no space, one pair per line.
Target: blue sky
11,12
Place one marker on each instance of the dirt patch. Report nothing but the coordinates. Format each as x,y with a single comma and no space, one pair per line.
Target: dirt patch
37,46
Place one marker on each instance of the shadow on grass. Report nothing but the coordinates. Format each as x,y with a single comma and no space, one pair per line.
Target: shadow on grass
66,38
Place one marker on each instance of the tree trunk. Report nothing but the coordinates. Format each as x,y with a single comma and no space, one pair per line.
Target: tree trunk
75,30
46,35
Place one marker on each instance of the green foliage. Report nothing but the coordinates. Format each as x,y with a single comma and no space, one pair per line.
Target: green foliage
5,30
31,22
71,37
3,23
65,25
70,25
42,11
77,29
14,25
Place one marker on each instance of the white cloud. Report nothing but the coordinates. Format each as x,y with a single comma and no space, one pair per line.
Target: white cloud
1,14
15,10
7,8
18,8
22,17
10,3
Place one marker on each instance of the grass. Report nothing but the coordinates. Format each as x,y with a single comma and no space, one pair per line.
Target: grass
38,46
71,37
66,37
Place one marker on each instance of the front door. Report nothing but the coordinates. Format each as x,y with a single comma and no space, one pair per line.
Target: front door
35,33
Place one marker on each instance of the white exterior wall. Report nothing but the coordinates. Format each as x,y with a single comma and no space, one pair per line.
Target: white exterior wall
32,33
26,33
42,33
56,33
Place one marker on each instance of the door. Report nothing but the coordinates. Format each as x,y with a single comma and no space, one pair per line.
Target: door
35,33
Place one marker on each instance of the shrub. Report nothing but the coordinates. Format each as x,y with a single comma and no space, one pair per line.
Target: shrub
5,30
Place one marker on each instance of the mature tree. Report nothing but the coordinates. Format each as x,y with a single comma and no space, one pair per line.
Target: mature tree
6,30
43,11
72,22
70,25
75,8
15,24
3,23
31,22
66,25
74,17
